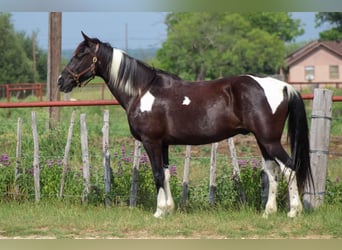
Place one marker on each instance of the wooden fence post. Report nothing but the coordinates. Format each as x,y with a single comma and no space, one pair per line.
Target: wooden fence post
36,168
185,188
85,158
106,158
135,174
18,159
66,153
212,180
236,170
319,147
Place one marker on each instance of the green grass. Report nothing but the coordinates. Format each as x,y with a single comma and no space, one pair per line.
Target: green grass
59,220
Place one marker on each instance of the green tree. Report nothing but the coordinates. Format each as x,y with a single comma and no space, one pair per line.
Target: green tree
41,55
15,67
333,18
280,24
211,45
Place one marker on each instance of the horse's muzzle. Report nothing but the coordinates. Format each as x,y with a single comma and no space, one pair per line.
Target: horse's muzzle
63,85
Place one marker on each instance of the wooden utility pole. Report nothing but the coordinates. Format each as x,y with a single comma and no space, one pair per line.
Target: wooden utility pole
34,57
54,65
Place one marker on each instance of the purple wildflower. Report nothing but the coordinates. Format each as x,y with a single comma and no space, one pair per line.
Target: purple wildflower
242,163
337,179
144,159
50,163
173,170
127,159
254,164
4,160
59,162
123,151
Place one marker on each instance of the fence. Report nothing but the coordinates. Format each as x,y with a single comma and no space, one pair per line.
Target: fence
22,90
313,197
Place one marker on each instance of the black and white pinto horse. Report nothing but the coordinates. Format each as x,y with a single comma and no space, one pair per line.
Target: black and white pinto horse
164,110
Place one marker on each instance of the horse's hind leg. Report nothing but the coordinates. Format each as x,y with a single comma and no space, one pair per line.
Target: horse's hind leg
271,171
275,151
296,206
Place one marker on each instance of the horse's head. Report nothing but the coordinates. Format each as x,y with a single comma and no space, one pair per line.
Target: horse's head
82,66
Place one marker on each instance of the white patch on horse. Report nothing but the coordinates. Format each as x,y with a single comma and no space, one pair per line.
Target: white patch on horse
116,61
186,101
146,102
273,89
125,86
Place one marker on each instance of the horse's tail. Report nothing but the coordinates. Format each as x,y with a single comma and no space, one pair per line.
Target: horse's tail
298,133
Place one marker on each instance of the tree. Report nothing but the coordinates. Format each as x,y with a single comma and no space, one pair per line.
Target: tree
335,19
211,45
280,24
41,55
15,67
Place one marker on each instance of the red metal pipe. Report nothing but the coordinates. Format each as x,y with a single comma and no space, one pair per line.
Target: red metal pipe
57,104
97,103
310,97
307,96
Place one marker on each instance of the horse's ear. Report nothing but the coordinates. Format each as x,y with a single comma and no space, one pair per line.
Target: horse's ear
86,38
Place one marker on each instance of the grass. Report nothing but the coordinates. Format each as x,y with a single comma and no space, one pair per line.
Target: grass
59,220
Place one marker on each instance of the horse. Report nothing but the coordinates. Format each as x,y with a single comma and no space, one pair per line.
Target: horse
163,110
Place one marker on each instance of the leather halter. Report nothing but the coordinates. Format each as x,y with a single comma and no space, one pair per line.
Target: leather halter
91,68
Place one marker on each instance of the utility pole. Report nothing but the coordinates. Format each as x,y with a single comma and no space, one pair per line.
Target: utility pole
34,57
126,37
54,65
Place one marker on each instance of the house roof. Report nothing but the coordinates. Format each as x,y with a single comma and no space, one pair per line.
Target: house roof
334,47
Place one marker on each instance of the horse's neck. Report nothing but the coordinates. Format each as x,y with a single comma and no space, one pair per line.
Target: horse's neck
123,95
123,98
104,71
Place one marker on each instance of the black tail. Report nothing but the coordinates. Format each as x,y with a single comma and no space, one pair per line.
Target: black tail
298,133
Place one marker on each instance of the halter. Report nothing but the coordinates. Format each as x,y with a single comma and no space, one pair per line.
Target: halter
91,68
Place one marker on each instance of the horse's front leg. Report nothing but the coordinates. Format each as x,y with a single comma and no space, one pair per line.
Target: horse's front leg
165,204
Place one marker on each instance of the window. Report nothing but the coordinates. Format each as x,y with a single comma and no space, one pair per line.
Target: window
333,72
309,73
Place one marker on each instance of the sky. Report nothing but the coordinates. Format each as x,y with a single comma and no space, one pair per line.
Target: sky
144,29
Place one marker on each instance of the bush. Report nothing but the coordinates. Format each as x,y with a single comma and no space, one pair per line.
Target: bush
334,192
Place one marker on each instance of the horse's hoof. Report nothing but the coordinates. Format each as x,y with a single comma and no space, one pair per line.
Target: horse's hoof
158,215
293,214
265,215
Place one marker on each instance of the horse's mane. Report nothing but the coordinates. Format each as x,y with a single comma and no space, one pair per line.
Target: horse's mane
132,73
163,72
